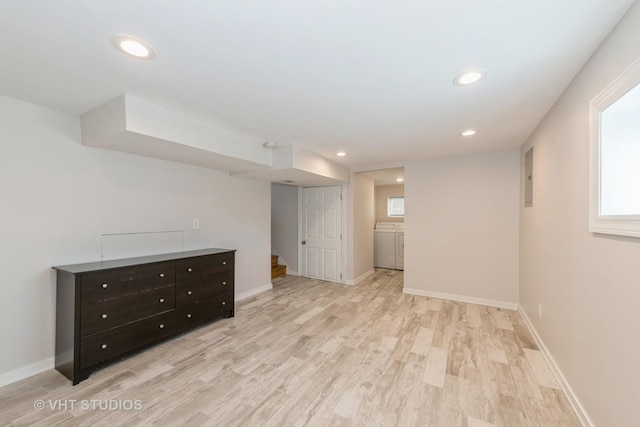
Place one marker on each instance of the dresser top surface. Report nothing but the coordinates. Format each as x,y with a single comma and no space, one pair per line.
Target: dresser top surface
90,267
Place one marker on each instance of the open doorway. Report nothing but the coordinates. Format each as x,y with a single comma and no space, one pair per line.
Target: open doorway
388,232
307,231
284,230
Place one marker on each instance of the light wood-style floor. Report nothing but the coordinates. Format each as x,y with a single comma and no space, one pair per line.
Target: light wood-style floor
319,354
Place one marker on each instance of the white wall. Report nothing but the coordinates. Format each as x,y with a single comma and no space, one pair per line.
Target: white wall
589,285
363,224
382,193
58,197
461,228
284,225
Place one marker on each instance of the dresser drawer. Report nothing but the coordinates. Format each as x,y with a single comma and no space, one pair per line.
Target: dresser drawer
124,281
204,310
189,293
197,268
108,314
114,342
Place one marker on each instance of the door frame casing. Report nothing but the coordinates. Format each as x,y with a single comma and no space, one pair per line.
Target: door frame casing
302,265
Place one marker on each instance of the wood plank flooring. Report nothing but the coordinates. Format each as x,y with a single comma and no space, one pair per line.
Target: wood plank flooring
311,353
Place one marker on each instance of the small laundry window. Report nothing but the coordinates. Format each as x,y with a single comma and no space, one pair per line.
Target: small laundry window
395,206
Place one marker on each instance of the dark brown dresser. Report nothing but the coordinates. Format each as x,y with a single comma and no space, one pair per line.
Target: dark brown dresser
107,310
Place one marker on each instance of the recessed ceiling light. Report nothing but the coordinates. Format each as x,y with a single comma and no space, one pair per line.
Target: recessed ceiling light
133,46
399,179
469,132
469,77
341,154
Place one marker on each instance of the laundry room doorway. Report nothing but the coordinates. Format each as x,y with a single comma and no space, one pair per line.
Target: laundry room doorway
389,213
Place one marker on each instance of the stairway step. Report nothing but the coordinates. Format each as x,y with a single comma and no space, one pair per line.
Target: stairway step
278,270
274,261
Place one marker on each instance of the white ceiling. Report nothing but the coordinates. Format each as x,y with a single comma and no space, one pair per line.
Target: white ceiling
371,77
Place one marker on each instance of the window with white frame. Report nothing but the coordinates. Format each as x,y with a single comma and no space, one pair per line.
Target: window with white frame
395,206
615,157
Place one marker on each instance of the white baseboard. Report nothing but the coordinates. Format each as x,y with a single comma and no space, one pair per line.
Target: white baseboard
361,278
291,272
461,298
253,292
27,371
568,391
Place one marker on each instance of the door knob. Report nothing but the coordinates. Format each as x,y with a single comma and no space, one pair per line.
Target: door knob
304,242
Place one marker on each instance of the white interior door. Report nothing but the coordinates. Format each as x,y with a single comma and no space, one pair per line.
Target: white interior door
322,233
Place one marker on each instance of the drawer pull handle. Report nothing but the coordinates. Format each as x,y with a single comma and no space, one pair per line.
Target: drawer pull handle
224,283
224,262
104,315
103,346
161,326
105,286
189,316
161,274
161,300
224,303
189,270
189,292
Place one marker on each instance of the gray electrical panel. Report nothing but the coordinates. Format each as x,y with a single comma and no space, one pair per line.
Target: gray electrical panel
528,178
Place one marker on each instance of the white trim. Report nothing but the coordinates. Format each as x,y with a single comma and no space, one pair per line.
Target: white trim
361,278
461,298
292,273
344,229
302,265
27,371
253,292
573,399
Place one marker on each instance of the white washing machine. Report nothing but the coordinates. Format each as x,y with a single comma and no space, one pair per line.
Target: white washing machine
388,245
